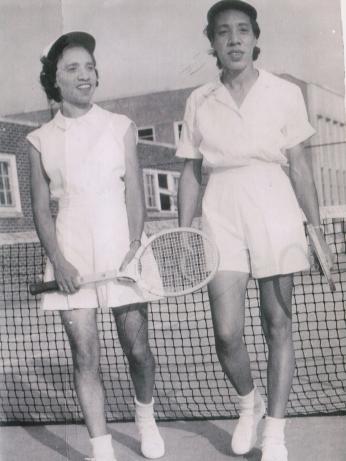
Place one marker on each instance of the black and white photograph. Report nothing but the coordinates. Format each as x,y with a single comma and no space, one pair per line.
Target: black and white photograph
172,230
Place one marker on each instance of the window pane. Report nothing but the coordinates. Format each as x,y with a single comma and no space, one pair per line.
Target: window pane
180,127
146,134
2,198
165,202
9,198
150,190
163,181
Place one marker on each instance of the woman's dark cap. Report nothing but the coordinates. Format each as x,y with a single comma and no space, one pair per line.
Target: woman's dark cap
231,5
83,39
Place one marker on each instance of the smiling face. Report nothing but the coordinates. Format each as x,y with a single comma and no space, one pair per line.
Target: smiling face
76,76
234,40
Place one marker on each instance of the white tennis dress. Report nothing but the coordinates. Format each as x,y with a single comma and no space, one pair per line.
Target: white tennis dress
249,206
84,159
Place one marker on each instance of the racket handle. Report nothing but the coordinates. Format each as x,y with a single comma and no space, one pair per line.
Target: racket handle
43,287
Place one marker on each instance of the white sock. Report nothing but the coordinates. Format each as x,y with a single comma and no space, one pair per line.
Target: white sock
248,403
103,448
248,398
274,428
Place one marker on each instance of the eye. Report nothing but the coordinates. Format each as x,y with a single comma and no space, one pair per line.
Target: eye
222,32
71,69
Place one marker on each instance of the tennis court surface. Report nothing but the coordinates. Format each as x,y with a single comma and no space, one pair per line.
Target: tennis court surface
308,439
194,402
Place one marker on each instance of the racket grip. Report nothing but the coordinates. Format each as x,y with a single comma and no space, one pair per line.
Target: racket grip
43,287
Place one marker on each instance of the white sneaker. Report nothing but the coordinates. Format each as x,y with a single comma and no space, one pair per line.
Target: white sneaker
274,452
102,448
252,409
273,445
99,459
152,444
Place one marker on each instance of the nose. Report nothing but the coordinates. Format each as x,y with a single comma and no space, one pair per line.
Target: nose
83,74
233,38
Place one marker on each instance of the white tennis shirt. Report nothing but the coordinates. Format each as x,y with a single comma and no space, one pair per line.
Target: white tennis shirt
271,119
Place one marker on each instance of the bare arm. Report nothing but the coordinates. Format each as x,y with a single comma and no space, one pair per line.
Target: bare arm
65,274
134,195
303,182
189,189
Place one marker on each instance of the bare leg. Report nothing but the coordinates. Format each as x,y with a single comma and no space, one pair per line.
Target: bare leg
276,312
81,328
132,326
227,300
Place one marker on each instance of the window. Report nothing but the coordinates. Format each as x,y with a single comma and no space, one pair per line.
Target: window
161,189
146,134
178,126
331,188
149,187
339,186
9,191
324,200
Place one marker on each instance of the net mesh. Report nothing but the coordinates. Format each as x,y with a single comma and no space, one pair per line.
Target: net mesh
36,367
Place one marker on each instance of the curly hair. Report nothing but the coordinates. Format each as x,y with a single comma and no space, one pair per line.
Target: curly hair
48,75
209,31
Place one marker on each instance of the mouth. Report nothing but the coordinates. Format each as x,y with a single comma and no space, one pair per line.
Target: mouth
235,55
84,86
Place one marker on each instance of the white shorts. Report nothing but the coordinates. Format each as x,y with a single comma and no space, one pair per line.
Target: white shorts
253,215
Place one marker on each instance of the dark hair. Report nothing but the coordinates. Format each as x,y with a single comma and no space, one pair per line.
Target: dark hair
210,32
48,73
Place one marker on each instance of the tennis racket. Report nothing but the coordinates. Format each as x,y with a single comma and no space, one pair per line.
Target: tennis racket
173,262
323,254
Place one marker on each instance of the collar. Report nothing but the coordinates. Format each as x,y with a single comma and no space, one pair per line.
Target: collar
218,90
65,123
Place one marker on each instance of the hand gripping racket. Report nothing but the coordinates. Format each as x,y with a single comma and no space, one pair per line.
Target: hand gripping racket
173,262
323,254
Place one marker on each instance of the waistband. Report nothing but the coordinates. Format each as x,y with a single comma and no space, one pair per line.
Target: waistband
113,198
244,169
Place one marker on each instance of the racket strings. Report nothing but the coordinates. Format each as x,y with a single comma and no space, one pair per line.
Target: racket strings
181,261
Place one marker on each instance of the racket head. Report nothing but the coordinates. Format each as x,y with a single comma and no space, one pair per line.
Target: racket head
176,262
323,254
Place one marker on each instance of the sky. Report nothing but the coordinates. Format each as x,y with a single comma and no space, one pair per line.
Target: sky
146,46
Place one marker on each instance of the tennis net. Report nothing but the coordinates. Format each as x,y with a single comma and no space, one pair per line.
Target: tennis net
36,367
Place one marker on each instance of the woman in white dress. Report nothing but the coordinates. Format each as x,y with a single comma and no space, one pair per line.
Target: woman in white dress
245,127
85,157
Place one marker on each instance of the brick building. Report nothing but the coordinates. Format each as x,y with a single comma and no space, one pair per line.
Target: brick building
15,212
159,117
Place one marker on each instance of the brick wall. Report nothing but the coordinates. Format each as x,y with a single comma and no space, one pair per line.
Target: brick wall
12,141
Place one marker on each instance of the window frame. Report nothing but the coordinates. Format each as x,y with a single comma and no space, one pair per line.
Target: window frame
178,126
171,190
152,128
14,210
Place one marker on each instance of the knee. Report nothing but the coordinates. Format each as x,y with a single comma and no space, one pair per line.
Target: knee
278,331
228,342
140,356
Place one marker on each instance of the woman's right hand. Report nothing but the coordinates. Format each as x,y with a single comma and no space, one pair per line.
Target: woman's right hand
66,276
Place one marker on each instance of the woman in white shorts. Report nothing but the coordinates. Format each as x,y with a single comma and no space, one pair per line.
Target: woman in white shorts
245,127
85,157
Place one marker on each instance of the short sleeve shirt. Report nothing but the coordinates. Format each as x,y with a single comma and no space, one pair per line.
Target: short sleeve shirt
83,155
271,119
